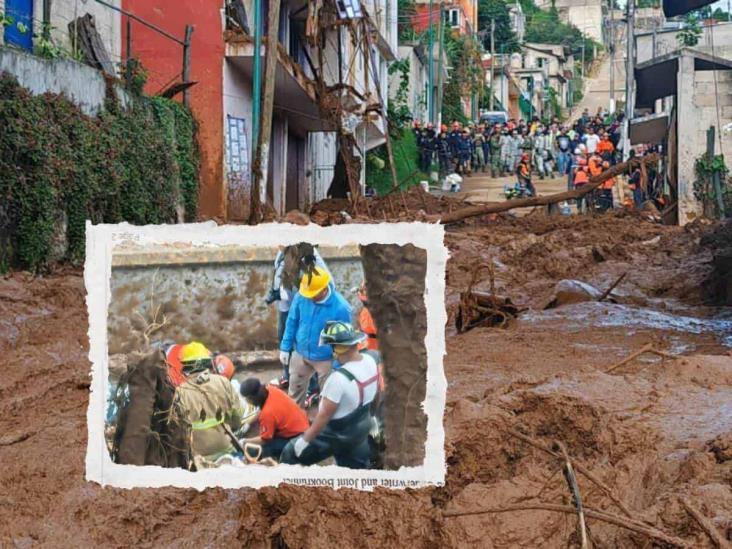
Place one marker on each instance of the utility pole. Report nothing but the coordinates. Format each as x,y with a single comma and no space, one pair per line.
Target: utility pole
257,80
493,61
431,71
440,67
612,56
629,78
261,164
582,67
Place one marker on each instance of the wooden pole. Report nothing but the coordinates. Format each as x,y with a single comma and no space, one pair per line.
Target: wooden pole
261,160
187,60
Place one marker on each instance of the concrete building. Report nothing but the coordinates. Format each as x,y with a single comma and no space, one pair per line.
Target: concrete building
586,15
417,82
460,17
35,15
302,151
557,65
680,94
506,88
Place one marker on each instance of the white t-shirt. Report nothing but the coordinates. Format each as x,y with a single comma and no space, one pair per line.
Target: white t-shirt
344,392
591,141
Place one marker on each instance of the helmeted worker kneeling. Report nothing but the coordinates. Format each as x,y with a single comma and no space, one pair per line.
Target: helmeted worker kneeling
341,427
210,403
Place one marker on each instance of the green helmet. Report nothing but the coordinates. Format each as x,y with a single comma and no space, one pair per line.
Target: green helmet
340,333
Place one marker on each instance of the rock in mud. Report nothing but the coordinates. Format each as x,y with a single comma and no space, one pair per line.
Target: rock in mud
567,292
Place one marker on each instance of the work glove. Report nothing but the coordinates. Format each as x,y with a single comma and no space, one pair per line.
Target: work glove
300,445
285,357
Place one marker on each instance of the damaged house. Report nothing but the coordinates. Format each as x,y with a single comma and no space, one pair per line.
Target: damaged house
330,84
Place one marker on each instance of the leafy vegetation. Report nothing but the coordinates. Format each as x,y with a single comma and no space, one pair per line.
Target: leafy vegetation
378,173
544,26
706,168
60,167
692,31
505,40
466,76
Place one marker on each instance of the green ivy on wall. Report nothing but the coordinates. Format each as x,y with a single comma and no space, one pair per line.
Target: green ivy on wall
137,163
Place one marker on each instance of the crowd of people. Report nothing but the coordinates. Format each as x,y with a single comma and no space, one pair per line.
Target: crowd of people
328,356
524,148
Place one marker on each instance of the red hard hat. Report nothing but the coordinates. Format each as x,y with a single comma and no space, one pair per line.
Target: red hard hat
222,365
525,156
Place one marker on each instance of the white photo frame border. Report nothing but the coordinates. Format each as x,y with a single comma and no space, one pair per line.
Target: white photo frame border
100,242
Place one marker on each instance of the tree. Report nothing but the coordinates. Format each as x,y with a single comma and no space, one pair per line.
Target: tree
505,38
545,26
690,34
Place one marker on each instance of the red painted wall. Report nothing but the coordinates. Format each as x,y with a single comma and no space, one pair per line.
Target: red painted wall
163,58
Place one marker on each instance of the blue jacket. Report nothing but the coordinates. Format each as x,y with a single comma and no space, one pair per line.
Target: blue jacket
307,319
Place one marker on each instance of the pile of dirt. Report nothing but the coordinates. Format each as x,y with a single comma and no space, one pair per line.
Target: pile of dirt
656,432
412,205
719,240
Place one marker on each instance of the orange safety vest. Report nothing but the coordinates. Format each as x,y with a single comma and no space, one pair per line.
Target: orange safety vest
367,325
595,164
580,176
605,146
609,183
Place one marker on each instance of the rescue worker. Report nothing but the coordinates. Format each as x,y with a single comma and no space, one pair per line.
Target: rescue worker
506,152
316,302
605,148
606,190
523,173
365,320
209,402
280,418
594,168
443,154
465,152
516,141
634,184
580,178
427,148
341,427
478,156
496,145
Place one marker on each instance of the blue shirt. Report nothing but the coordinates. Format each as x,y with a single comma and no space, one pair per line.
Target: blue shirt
307,319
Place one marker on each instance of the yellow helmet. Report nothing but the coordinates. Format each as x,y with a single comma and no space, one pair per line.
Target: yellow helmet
312,284
193,352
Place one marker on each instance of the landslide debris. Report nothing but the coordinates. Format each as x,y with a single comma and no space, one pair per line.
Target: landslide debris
654,432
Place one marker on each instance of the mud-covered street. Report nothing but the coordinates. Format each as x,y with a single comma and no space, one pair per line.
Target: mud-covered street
655,433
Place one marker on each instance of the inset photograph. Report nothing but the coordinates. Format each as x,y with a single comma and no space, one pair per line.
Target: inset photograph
231,355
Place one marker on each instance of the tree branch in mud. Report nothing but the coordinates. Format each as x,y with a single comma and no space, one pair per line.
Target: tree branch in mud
647,348
571,479
581,468
153,325
607,292
622,522
497,207
705,524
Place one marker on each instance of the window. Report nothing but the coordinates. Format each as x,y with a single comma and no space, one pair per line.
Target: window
540,62
236,150
452,17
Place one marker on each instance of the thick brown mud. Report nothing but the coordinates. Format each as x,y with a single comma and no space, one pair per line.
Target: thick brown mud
653,430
